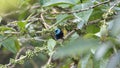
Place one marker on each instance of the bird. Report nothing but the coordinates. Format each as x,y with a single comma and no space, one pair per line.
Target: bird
58,33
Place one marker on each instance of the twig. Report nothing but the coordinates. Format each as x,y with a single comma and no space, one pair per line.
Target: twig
43,22
11,65
49,60
112,7
109,11
23,49
85,9
69,34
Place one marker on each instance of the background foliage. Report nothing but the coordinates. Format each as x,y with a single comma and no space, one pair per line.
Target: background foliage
91,33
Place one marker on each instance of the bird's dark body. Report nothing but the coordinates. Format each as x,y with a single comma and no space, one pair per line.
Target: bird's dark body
58,34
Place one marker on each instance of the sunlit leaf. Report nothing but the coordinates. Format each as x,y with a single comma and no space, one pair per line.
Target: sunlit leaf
89,35
21,25
80,22
80,25
103,31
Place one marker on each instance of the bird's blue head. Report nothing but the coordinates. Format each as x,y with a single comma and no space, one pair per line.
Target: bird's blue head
57,31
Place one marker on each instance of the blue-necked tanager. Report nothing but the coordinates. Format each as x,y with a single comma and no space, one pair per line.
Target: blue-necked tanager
58,34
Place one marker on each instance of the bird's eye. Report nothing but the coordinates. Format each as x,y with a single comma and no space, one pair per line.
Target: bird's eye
57,31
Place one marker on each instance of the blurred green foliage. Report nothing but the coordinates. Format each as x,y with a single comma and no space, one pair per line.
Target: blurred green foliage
91,33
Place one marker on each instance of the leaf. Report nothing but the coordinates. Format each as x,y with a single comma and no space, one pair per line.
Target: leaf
85,60
117,8
97,13
4,28
103,31
21,25
23,14
1,37
74,36
114,61
89,35
42,2
76,47
82,17
115,28
86,14
10,44
92,28
62,17
51,44
17,44
102,50
58,2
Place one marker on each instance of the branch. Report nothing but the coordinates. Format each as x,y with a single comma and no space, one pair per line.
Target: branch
69,34
77,11
112,7
36,51
43,22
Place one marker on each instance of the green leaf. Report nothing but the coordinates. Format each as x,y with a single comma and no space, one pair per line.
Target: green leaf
61,17
51,44
58,2
21,25
96,14
4,28
10,44
17,44
89,35
76,47
1,38
42,2
86,14
23,14
92,28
